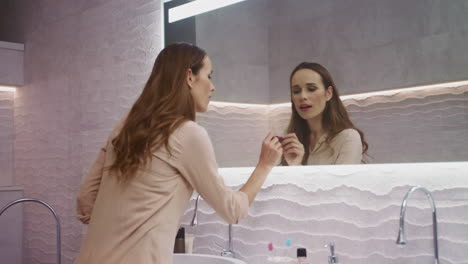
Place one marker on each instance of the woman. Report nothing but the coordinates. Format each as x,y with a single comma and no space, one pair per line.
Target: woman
142,180
320,131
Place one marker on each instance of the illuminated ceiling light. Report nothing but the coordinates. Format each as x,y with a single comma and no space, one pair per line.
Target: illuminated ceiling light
7,89
197,7
358,96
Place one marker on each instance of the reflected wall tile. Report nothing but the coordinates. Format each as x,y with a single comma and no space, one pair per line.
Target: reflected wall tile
236,133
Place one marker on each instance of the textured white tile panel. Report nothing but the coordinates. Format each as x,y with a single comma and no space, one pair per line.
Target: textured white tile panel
85,63
356,206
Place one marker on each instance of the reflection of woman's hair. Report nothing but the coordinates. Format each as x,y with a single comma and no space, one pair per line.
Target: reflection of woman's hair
162,107
335,117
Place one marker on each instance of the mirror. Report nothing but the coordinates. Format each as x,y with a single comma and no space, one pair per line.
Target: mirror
6,137
367,46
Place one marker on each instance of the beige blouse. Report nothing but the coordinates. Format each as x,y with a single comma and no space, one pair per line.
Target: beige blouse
137,222
345,148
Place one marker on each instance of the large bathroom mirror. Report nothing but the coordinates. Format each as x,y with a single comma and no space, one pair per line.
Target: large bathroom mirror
367,45
6,137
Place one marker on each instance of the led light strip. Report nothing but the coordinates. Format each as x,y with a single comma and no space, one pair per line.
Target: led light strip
358,96
197,7
240,105
7,89
361,96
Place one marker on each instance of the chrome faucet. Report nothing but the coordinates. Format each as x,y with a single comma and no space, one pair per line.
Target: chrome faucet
194,221
401,240
230,250
57,220
227,252
332,259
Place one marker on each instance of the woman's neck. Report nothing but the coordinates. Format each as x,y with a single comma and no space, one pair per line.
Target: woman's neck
316,128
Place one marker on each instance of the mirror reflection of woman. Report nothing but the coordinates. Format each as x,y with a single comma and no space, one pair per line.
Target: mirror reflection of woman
320,131
141,182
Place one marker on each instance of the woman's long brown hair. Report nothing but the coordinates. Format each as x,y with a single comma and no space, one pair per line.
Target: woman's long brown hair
335,117
162,107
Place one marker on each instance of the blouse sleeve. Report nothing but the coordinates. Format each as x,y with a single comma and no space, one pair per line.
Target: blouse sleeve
89,188
196,162
349,147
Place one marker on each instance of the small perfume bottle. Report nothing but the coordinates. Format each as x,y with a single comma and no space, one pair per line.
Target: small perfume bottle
270,249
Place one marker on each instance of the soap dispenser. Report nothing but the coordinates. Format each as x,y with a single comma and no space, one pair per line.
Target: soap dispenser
179,246
302,256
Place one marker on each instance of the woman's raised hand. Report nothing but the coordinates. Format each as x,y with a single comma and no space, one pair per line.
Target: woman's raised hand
293,149
271,151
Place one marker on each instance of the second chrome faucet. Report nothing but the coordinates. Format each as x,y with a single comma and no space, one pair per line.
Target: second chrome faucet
401,240
194,221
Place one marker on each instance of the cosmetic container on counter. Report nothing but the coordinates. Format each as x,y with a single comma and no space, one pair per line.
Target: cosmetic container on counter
302,256
179,246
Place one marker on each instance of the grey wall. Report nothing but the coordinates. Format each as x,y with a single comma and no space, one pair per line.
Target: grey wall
369,45
8,22
85,63
236,39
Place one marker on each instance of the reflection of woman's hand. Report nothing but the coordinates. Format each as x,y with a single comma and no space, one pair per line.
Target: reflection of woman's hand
293,149
271,151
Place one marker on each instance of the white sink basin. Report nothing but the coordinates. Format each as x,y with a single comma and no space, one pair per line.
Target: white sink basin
204,259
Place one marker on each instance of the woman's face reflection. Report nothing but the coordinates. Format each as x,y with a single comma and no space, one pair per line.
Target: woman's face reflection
308,94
